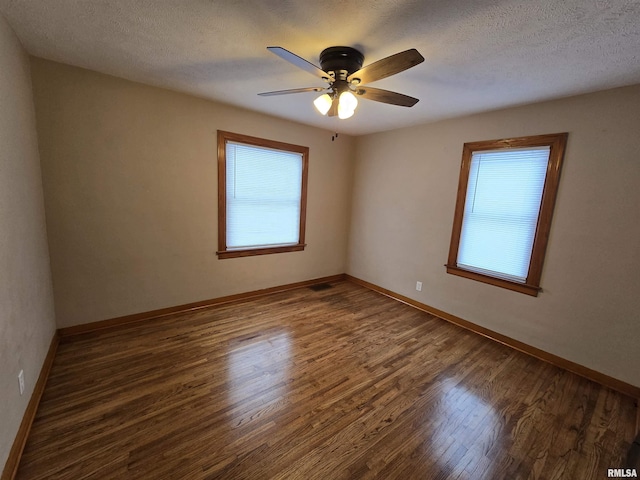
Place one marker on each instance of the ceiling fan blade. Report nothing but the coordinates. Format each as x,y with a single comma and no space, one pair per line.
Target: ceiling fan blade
387,66
293,90
299,62
385,96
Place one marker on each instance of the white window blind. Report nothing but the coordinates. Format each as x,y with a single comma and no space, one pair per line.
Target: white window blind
264,188
501,211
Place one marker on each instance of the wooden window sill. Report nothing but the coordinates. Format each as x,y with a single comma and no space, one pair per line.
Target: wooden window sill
499,282
250,252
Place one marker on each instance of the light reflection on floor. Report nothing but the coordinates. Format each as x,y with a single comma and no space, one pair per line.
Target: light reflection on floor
259,367
468,424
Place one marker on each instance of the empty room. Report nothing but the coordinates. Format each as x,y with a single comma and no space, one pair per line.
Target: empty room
319,240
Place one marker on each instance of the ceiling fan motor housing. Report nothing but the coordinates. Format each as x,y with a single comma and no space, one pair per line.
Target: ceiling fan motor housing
335,59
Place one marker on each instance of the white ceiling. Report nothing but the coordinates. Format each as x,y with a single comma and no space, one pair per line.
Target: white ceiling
480,54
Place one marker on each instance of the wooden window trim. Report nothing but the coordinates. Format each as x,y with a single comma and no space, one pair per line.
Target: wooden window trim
223,138
557,143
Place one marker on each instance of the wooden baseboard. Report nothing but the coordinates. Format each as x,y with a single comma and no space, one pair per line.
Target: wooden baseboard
11,466
576,368
144,316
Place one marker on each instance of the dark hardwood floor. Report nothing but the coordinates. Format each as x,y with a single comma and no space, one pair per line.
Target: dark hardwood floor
341,383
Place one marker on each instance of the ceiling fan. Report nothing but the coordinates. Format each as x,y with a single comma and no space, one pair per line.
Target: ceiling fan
341,68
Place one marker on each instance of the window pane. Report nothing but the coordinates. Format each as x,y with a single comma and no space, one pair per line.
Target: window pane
263,192
502,204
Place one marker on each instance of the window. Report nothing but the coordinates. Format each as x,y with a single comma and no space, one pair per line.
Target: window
505,201
262,196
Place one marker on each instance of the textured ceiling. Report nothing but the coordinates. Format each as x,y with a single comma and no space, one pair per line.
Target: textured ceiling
479,54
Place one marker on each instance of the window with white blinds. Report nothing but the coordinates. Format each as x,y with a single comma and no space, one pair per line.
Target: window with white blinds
264,195
503,212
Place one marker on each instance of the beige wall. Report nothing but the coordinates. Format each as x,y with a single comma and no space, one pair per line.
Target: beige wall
130,188
27,322
130,184
403,202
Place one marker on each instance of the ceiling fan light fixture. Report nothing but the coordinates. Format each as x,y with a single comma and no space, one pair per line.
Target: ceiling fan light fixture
347,104
323,103
349,100
344,113
341,68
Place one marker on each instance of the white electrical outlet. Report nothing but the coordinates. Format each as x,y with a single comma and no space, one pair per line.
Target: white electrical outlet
21,380
419,286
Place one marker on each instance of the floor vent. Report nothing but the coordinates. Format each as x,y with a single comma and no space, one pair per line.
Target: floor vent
320,286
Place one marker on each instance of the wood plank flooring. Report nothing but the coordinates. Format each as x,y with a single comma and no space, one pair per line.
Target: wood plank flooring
341,383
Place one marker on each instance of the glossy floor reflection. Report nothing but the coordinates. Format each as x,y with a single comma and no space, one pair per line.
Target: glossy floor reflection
341,383
259,367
